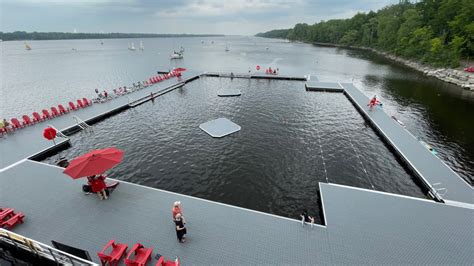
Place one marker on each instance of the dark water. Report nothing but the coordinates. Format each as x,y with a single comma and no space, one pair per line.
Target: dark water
273,164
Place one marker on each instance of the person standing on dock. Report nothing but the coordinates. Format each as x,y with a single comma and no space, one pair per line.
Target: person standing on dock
176,209
305,218
180,229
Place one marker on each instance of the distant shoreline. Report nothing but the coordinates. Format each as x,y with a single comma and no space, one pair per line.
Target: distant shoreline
45,36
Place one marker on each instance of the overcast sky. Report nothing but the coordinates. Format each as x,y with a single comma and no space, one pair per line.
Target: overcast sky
241,17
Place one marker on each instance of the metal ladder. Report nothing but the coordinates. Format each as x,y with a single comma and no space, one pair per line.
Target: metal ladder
58,132
443,189
81,123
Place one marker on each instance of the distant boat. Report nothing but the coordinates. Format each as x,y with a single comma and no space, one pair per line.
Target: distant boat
132,47
101,43
266,48
141,46
227,48
27,46
176,55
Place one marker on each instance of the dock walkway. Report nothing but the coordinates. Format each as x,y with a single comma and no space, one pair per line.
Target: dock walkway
29,141
410,231
442,181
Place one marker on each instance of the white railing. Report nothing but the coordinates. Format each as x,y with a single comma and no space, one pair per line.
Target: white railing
40,249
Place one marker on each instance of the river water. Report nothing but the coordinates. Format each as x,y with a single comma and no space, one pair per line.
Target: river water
274,164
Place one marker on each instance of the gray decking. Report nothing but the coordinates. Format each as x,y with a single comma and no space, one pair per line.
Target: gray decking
363,227
433,172
323,86
28,141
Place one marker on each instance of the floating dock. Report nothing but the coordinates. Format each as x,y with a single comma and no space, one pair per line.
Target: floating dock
28,142
443,183
323,86
410,231
361,226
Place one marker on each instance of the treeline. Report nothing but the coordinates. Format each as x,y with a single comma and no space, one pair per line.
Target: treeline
437,32
23,35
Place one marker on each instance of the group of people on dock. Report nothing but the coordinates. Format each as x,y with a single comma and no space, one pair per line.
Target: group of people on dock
269,70
105,95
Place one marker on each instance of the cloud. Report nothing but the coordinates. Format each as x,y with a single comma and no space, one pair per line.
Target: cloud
216,8
244,17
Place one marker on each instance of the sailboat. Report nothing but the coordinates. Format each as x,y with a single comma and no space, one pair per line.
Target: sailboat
132,47
141,46
179,54
27,46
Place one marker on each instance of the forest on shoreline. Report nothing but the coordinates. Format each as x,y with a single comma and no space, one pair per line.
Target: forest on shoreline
23,35
436,32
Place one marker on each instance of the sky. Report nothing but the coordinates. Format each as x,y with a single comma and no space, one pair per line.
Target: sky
232,17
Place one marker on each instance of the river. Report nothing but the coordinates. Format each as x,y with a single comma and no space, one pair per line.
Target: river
440,114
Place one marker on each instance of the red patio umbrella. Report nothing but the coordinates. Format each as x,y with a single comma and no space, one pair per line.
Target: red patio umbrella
94,162
179,69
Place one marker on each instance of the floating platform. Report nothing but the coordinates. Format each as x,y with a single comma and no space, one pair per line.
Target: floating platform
363,226
28,142
219,127
443,183
229,93
323,86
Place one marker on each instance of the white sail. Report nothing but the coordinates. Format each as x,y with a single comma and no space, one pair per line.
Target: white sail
27,46
141,46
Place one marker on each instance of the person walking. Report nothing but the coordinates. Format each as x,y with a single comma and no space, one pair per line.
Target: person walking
180,228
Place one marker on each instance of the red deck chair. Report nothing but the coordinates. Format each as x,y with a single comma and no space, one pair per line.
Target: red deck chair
37,117
115,255
163,262
26,120
12,221
142,255
62,110
80,104
54,111
86,102
46,114
72,106
15,123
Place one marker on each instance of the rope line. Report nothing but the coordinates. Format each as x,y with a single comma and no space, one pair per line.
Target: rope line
358,156
322,156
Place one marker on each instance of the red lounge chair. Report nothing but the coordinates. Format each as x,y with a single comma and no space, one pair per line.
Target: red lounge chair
15,123
162,262
86,102
46,114
115,255
37,117
5,213
14,220
72,106
26,120
54,111
142,255
62,110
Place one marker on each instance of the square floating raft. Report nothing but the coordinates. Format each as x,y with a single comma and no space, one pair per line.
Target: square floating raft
219,127
228,92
